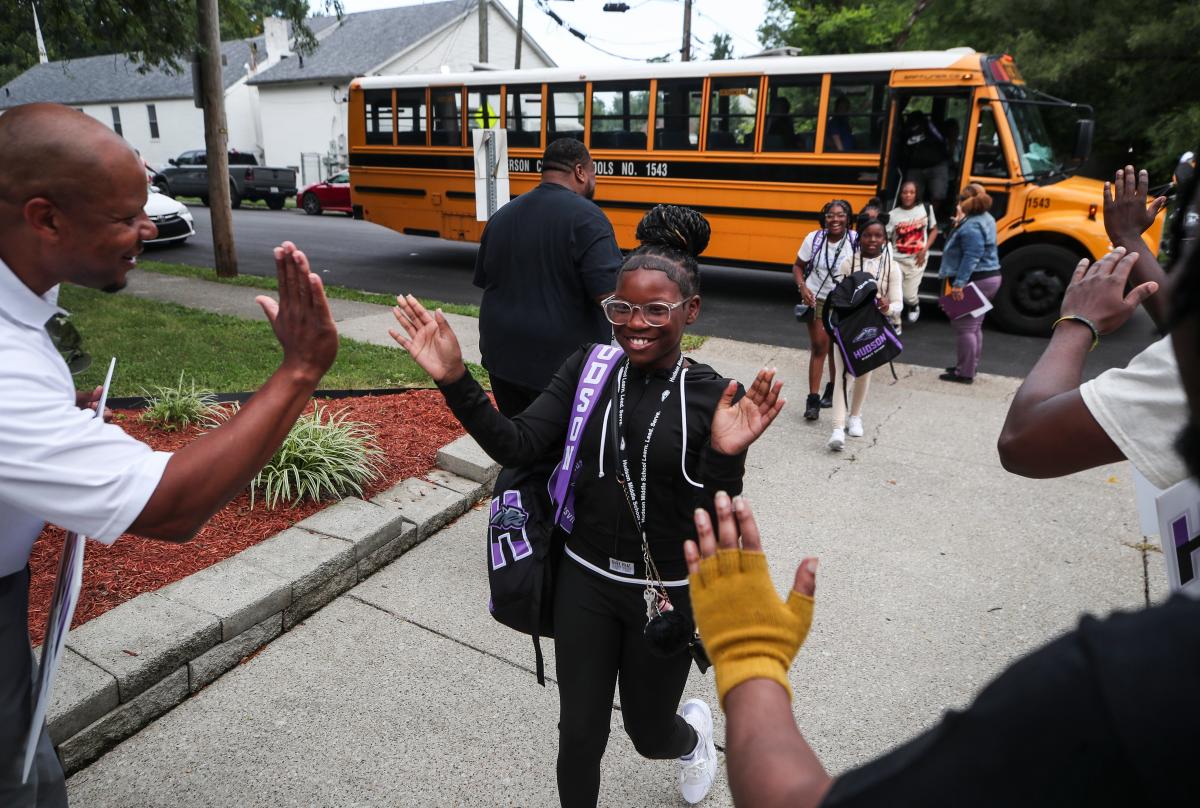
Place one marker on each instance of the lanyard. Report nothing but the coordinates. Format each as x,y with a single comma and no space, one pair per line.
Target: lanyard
837,255
637,494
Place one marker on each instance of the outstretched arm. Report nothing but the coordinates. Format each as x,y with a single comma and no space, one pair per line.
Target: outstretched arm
202,476
752,637
1049,430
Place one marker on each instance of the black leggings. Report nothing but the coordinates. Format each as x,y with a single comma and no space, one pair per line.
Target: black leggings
598,643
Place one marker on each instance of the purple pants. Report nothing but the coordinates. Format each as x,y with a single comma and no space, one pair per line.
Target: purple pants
968,331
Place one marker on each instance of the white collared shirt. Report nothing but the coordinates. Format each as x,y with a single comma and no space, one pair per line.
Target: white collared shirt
58,463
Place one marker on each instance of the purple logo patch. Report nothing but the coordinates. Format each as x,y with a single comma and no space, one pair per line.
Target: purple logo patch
506,524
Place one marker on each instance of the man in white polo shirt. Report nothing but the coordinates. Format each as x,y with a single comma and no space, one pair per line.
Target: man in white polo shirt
71,211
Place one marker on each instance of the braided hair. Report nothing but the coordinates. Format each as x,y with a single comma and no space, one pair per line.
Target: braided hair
671,237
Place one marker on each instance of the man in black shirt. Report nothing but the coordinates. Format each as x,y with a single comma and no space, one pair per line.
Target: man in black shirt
545,262
1104,715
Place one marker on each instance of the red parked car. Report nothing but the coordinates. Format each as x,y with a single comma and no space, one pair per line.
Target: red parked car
332,194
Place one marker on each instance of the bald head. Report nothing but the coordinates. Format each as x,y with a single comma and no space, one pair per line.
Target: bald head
57,152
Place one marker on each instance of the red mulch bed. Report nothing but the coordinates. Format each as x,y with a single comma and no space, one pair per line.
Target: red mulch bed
409,427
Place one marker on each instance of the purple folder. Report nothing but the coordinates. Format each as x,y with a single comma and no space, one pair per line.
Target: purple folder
973,302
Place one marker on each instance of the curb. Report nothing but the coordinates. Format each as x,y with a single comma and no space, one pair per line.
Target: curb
137,661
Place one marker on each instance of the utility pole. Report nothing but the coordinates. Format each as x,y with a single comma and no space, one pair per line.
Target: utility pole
686,52
520,31
216,138
483,31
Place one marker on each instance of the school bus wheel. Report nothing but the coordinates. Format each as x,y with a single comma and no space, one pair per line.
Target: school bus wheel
1034,280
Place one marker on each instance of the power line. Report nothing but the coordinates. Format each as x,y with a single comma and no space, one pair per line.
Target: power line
580,35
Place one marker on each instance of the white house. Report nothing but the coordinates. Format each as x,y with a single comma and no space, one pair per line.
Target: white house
287,109
153,110
302,100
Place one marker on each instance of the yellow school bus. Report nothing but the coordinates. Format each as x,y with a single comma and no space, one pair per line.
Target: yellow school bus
758,145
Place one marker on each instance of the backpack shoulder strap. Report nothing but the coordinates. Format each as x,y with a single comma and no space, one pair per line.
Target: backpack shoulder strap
597,367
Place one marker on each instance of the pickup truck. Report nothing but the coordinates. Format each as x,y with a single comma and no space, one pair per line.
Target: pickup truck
188,176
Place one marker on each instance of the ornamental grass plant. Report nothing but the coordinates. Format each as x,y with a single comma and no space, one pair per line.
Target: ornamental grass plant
178,407
323,456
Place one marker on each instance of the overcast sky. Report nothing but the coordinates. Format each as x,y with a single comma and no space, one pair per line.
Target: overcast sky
650,27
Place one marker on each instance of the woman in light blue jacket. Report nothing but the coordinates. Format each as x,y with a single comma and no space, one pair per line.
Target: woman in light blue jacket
970,257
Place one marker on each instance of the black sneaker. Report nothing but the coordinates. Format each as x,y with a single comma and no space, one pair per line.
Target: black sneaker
827,396
952,376
812,407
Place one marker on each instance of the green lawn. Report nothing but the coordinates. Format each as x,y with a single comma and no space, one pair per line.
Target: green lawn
154,341
260,282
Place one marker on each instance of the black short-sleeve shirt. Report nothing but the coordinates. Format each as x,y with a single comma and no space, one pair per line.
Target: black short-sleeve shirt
543,261
1104,715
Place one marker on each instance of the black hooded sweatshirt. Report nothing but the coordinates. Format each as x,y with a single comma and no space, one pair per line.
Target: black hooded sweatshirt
682,475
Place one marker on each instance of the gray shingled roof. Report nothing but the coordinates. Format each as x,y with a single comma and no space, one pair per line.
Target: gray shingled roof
363,41
114,78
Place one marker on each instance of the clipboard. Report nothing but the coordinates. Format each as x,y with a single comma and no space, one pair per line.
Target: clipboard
58,622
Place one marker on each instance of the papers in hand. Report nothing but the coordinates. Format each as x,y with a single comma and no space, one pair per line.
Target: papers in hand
58,621
973,303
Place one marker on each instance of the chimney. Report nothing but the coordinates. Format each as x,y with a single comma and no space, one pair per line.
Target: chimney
276,32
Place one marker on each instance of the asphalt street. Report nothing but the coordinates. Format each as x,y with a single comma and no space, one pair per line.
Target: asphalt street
750,305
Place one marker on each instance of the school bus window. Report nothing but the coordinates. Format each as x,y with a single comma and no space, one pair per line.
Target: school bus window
523,116
793,105
677,111
989,158
483,108
410,117
566,112
447,117
857,106
377,107
732,109
619,115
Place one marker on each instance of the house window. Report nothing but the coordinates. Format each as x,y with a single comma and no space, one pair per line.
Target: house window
152,114
116,115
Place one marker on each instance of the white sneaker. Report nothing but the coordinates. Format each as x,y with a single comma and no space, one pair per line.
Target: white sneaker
697,773
854,426
913,315
837,441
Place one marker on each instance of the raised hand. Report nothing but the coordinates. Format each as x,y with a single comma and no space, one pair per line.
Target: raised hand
748,630
1097,292
429,339
1127,214
301,319
736,426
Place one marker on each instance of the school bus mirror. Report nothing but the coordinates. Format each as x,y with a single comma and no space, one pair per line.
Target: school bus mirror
1085,129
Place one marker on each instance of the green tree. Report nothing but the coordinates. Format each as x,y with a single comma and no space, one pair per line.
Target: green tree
1134,65
155,33
722,47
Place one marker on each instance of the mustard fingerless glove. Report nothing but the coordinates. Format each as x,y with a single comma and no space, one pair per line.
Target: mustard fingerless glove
748,631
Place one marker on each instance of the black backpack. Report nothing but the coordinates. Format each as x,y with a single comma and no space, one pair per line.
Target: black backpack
531,513
859,330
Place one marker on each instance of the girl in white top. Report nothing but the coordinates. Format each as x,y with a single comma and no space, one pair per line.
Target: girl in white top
911,228
874,256
815,270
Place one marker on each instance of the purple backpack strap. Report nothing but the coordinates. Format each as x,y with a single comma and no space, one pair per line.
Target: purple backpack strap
596,370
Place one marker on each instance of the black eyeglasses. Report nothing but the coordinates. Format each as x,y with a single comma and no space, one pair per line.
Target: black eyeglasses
656,314
67,340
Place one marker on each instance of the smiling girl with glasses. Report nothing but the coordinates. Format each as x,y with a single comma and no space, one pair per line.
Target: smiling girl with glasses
668,433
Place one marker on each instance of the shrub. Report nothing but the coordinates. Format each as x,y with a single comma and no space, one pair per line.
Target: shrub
323,455
178,407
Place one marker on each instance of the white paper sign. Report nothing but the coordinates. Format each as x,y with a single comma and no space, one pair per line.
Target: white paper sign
491,171
1179,530
58,621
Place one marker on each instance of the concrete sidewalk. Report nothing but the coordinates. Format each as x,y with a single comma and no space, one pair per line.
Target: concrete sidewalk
937,570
